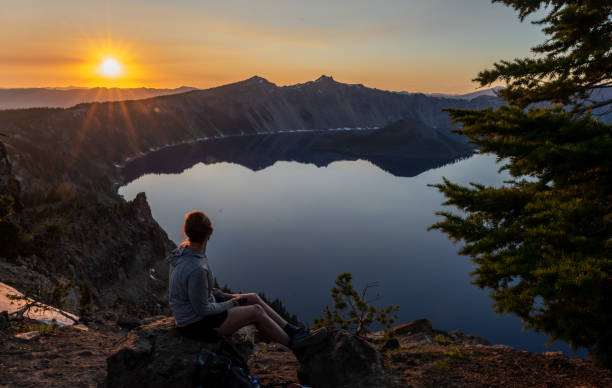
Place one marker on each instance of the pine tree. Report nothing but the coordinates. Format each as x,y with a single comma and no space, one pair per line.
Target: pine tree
353,311
543,241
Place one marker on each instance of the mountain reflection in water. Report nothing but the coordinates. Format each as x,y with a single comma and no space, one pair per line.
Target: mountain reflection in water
257,152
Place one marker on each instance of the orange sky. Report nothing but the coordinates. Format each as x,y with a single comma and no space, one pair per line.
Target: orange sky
411,45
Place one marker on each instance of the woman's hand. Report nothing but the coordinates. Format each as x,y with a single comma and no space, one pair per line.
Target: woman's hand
251,298
239,300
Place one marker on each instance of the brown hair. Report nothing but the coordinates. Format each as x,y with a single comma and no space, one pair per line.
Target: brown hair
197,227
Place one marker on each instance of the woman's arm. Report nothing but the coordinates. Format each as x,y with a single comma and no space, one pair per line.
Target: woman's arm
197,290
221,295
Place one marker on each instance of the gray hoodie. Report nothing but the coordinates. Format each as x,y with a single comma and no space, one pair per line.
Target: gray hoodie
191,287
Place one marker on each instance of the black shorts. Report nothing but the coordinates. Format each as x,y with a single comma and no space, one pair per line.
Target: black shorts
203,330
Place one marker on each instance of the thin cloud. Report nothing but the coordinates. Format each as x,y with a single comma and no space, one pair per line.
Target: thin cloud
38,60
304,36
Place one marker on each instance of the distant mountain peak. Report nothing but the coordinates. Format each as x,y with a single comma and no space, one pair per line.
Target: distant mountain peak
64,97
254,83
484,93
325,78
258,79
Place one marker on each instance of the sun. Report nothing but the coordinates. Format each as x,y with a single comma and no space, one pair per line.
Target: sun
110,67
111,64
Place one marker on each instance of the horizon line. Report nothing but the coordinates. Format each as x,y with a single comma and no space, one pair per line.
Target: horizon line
76,87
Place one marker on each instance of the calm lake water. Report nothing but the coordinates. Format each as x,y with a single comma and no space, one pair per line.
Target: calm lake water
289,228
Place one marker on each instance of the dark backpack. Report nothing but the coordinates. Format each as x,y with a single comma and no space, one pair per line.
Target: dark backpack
222,367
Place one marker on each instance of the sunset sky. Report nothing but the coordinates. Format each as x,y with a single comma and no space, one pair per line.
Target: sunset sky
404,45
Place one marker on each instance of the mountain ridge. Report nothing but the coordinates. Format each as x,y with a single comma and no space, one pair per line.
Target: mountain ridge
86,140
24,98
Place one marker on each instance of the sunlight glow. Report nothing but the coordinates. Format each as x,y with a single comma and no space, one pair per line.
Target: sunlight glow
109,63
110,67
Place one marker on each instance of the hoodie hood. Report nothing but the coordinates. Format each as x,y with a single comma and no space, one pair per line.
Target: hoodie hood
182,253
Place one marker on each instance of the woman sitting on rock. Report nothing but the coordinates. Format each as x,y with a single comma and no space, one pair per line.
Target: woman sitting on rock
193,299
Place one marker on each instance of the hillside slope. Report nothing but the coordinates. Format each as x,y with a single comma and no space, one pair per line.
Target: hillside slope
80,144
22,98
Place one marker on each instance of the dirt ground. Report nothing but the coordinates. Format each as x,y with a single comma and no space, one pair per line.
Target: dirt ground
72,357
444,361
64,357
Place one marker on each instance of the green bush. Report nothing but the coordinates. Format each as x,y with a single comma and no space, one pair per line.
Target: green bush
441,365
58,294
457,353
6,206
442,339
352,311
45,329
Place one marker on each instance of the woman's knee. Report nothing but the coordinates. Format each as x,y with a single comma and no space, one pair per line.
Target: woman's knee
257,311
254,298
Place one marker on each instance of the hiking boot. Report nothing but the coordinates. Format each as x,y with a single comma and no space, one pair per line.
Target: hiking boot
304,339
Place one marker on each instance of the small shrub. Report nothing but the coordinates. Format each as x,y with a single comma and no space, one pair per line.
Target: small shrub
455,353
396,352
442,339
44,329
441,365
353,312
57,296
7,204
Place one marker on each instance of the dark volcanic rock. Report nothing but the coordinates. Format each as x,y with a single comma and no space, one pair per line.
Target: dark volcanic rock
417,326
391,344
343,360
8,184
118,250
128,322
156,355
121,250
421,331
4,320
474,340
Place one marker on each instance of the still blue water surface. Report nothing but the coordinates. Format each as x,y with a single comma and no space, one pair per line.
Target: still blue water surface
289,229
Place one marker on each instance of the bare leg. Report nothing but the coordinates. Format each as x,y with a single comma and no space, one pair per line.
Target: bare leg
253,299
241,316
